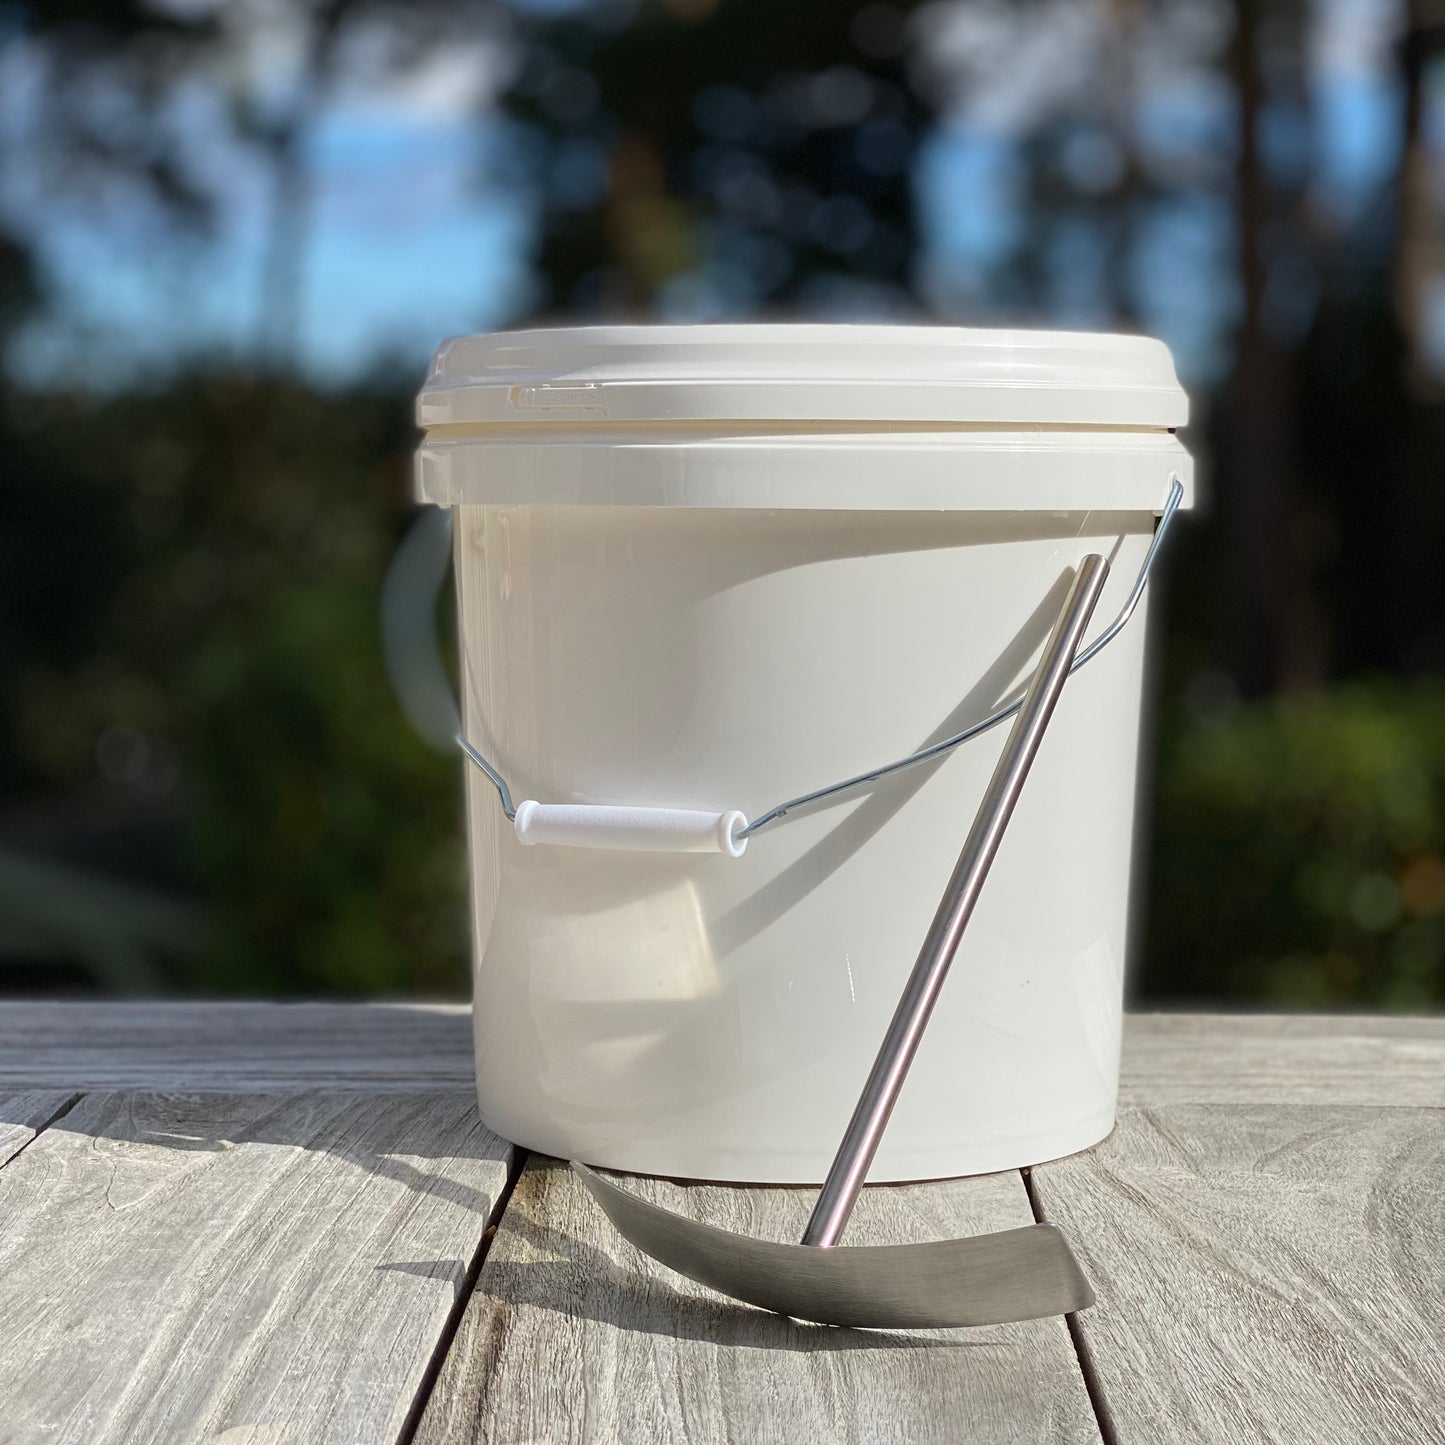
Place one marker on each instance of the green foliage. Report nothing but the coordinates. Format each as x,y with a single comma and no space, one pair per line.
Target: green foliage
1299,855
243,634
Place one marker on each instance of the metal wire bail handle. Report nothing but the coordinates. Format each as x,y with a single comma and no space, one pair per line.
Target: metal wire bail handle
730,832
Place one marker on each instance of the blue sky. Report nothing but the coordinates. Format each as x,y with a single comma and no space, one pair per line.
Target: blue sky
404,245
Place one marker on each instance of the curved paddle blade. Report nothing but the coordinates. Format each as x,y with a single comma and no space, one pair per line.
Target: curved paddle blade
1017,1274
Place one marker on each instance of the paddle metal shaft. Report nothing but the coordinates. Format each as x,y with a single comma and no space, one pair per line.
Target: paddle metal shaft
905,1032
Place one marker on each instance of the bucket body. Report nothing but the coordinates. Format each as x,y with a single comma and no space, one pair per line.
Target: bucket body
704,1016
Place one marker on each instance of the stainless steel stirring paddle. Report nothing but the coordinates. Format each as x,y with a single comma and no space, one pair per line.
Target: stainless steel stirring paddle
1016,1274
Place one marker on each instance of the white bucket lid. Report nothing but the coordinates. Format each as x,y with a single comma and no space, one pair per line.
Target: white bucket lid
912,374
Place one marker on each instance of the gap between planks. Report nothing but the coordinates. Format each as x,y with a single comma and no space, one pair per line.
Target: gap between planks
1093,1385
452,1323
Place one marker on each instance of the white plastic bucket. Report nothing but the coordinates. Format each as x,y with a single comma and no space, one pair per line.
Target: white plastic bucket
712,568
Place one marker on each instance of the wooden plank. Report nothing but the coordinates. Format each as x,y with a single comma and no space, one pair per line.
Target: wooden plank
260,1047
1265,1273
235,1047
572,1335
260,1268
23,1116
1283,1058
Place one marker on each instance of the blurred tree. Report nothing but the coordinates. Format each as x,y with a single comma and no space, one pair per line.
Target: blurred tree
94,124
95,119
1299,860
701,159
1417,248
1088,192
1274,632
294,60
1370,422
1325,436
190,572
255,522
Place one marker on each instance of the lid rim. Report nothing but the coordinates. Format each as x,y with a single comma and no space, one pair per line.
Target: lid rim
803,371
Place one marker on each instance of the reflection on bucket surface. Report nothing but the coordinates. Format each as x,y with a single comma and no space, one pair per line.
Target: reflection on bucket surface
682,624
620,984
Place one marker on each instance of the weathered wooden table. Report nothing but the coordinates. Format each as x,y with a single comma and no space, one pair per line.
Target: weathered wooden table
257,1224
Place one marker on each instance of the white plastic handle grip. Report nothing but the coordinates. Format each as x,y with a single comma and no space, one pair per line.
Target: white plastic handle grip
645,830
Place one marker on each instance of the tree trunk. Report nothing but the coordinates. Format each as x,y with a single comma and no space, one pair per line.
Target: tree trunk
284,265
1274,636
283,269
1414,258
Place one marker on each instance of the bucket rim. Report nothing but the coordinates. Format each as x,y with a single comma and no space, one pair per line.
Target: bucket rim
810,371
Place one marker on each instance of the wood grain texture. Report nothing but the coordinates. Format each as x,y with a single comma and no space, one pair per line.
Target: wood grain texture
22,1116
1264,1273
235,1047
1283,1058
572,1335
270,1269
264,1047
